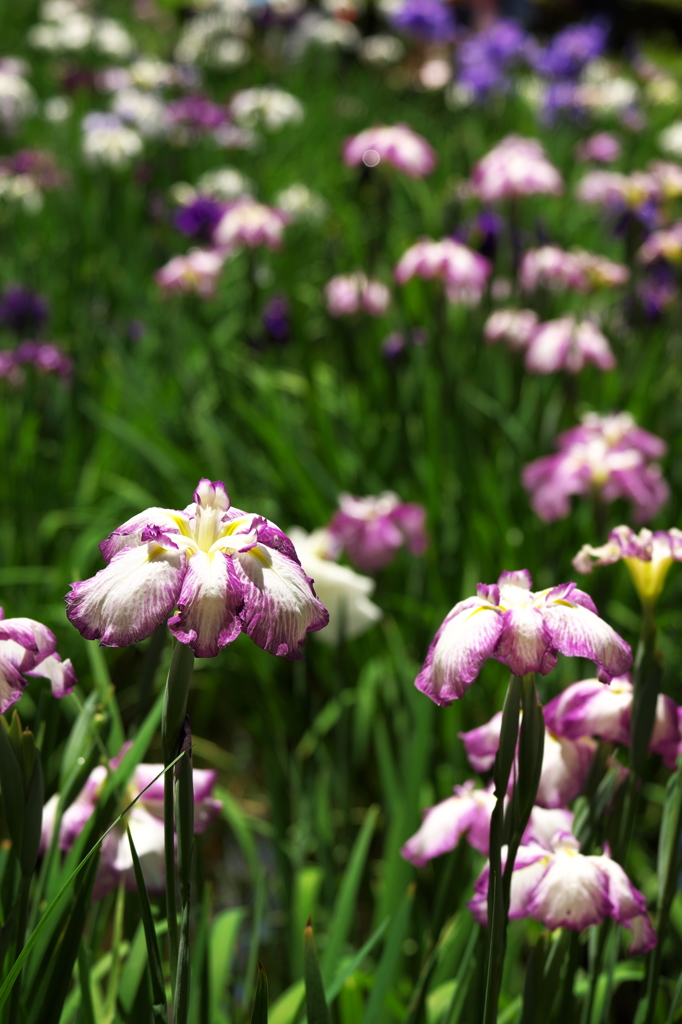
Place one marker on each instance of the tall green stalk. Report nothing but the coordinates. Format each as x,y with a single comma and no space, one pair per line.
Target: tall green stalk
172,723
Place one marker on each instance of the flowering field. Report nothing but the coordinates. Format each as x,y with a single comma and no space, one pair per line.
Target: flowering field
311,320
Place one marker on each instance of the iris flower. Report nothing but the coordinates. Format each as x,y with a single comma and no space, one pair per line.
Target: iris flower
27,648
524,630
224,570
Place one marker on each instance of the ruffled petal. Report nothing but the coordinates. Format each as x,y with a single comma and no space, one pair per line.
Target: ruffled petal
573,893
12,684
460,648
127,600
526,642
25,642
129,534
208,604
60,673
280,605
578,632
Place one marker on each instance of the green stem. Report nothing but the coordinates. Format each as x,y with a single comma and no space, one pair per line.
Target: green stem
172,721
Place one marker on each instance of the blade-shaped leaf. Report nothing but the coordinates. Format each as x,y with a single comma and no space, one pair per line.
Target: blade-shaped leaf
315,1001
153,953
260,1003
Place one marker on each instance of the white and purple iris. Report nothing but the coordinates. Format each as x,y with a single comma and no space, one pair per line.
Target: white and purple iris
516,166
522,629
589,709
222,571
372,529
609,456
464,271
563,888
145,821
394,144
648,556
27,648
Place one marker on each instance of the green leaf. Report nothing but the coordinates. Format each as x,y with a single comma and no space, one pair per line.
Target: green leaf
153,953
344,905
222,943
390,958
87,1010
316,1003
260,1003
12,786
182,987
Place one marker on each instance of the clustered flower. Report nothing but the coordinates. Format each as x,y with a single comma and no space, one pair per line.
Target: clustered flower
464,272
346,294
371,530
28,650
515,167
607,456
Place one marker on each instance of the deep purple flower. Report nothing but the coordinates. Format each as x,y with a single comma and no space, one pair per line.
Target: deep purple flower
199,218
275,319
27,648
609,456
485,57
45,356
224,570
563,888
570,50
38,164
23,311
657,289
523,630
431,20
372,530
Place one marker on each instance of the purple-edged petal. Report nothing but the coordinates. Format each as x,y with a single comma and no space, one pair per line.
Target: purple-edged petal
208,604
212,494
444,825
666,737
60,673
526,642
12,684
578,632
644,937
78,814
573,893
589,708
25,642
626,901
129,534
280,605
460,648
127,600
544,823
516,578
481,744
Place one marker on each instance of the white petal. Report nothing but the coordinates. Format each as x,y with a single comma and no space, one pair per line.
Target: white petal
573,893
208,604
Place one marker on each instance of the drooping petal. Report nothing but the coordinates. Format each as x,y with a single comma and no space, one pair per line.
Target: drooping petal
27,634
589,708
12,684
526,642
440,831
644,937
667,736
544,823
147,833
573,893
578,632
481,744
77,815
127,600
208,604
60,673
464,642
280,605
626,901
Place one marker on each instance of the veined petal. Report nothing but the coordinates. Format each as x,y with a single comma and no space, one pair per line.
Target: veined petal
589,708
208,604
12,684
526,642
464,642
129,534
280,605
60,673
25,642
626,901
127,600
573,893
578,632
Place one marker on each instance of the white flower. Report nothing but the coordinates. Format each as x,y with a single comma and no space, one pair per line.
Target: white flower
141,109
380,50
343,592
224,183
108,142
17,99
267,107
670,140
58,108
110,37
301,203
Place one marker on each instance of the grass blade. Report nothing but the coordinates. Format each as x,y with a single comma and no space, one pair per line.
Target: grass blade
153,953
316,1003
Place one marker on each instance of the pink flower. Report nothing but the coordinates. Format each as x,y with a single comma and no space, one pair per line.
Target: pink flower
589,708
372,529
523,630
565,762
647,555
27,648
610,188
565,344
250,223
224,570
608,455
514,326
562,888
515,167
665,244
396,144
346,294
464,271
145,821
602,147
198,272
467,815
552,267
